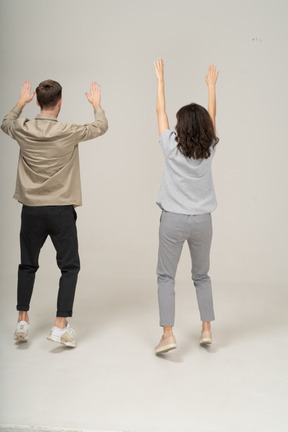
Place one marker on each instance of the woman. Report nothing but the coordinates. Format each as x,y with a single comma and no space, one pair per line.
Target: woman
187,199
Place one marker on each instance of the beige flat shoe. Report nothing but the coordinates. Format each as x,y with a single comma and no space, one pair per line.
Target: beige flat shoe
166,344
206,337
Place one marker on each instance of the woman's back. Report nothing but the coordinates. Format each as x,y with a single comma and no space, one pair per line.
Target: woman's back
187,184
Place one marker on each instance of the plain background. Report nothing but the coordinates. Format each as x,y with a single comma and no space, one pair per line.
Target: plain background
115,44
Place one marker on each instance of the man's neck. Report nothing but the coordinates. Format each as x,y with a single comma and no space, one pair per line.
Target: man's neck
53,112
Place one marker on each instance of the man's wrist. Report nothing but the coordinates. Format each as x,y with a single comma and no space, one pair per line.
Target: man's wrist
95,106
20,104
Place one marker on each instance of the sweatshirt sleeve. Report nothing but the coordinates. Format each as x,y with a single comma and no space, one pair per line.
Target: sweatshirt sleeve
9,121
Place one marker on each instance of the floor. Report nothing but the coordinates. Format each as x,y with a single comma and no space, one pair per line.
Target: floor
113,381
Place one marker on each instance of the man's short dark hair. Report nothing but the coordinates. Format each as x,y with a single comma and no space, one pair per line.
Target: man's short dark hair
48,93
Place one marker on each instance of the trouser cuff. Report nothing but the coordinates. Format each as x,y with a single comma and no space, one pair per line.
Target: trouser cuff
61,314
22,308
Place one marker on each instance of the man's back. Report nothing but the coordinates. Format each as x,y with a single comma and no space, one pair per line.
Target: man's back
48,169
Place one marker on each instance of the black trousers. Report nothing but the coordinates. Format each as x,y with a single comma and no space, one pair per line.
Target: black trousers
59,222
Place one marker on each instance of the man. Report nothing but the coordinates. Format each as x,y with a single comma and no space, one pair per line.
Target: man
48,186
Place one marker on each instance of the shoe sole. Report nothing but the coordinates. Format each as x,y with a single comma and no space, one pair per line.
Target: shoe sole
205,341
165,348
69,344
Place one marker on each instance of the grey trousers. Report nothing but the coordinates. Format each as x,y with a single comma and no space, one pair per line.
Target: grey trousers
174,230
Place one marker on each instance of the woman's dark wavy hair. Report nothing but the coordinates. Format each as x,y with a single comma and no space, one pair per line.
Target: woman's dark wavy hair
195,132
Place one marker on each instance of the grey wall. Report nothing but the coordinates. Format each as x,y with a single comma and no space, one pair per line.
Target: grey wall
115,43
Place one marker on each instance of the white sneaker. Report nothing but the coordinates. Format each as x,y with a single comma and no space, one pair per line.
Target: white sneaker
21,332
64,336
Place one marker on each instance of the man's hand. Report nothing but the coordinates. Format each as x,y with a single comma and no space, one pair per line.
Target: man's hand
159,69
95,95
212,76
25,95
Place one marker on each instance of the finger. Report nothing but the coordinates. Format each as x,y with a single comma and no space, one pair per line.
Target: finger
31,97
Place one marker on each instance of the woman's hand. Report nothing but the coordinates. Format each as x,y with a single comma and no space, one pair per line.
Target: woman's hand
212,76
159,69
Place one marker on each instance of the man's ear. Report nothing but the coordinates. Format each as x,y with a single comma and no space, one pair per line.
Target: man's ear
37,102
59,103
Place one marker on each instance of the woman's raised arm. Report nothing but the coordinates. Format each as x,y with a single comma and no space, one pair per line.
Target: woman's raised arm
163,123
211,79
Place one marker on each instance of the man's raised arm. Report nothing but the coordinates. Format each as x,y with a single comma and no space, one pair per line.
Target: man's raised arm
100,125
25,97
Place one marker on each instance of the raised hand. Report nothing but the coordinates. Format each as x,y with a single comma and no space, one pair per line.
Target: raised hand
211,79
163,123
94,97
25,95
159,69
212,76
